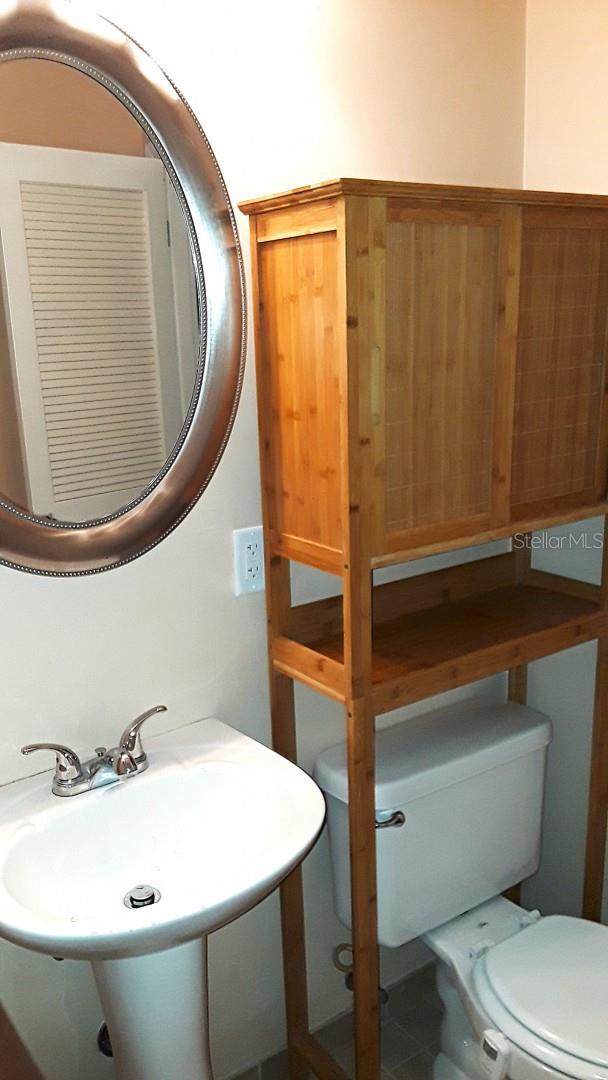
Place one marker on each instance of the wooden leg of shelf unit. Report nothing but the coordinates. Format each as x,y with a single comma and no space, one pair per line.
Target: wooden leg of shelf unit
598,791
518,684
518,690
320,1061
292,900
518,676
363,888
294,971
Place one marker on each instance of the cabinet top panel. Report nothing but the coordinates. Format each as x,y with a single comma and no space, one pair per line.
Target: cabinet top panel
394,189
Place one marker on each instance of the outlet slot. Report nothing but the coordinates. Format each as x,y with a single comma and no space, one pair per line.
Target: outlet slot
248,560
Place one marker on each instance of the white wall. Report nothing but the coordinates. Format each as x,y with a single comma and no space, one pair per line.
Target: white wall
566,148
288,94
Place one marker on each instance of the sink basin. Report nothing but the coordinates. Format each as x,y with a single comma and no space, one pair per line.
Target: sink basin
213,826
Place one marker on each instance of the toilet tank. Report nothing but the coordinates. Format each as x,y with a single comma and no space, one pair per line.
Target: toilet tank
469,779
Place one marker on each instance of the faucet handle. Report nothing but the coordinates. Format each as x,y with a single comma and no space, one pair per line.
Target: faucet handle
67,763
130,739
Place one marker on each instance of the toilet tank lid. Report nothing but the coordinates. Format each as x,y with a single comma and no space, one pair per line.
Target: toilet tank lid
439,748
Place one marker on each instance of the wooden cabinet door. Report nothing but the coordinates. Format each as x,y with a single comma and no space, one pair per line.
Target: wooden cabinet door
296,258
559,441
451,307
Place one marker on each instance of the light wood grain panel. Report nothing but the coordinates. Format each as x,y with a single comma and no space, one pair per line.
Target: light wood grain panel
506,362
570,586
598,790
306,551
362,233
299,371
376,432
282,704
293,932
360,326
322,619
317,1058
597,812
560,392
431,663
297,221
418,653
362,832
443,212
567,217
440,634
439,536
395,189
518,676
440,371
294,659
531,516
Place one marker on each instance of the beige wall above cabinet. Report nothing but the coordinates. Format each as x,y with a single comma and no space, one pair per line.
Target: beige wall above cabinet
49,104
443,346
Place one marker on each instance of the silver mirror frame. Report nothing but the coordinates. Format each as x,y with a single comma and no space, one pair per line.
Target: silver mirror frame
55,30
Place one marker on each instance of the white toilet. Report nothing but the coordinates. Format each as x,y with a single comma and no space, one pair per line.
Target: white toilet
525,997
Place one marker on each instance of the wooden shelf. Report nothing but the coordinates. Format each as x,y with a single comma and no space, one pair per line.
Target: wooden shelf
482,625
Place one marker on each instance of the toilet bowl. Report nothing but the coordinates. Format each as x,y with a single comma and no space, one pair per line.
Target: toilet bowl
525,997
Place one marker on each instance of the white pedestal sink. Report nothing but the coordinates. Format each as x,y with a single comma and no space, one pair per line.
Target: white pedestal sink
213,826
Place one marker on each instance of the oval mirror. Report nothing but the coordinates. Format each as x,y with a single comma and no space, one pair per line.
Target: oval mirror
121,299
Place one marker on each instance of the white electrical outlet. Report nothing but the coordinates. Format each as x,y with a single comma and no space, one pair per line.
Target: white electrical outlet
248,560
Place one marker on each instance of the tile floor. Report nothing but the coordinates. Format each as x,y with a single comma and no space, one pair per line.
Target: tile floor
409,1035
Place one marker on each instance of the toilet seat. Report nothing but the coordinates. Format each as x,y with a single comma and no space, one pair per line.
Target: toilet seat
546,988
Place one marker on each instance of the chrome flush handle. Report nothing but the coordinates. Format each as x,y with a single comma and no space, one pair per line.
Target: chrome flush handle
395,820
130,740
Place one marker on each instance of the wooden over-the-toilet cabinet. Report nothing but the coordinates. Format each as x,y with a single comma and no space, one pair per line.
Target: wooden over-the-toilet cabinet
442,350
431,373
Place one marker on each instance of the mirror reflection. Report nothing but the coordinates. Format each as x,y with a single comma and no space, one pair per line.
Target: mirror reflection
98,306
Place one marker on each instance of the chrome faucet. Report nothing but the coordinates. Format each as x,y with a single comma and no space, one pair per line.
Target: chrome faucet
73,776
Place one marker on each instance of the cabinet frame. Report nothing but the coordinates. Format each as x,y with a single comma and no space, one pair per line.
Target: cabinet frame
336,646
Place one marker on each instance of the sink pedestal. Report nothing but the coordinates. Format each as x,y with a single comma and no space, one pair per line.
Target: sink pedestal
156,1010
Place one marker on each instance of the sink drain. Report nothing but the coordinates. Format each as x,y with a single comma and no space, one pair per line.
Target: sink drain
141,896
